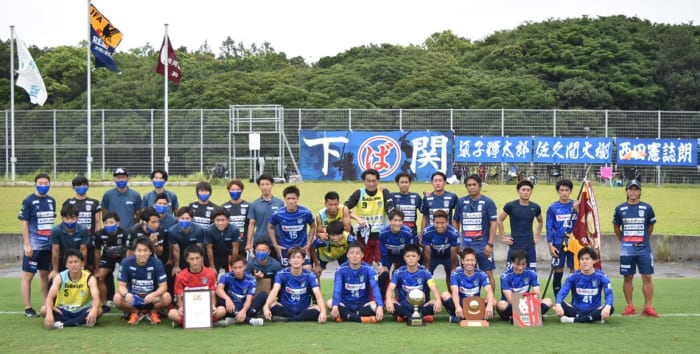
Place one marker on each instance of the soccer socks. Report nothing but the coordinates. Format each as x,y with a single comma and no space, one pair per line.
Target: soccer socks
345,314
383,281
306,315
556,285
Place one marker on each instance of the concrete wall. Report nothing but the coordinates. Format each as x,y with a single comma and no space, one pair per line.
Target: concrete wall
666,248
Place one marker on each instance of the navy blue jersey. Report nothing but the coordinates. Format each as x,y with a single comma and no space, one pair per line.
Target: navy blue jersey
406,281
521,217
518,283
433,202
40,213
292,226
114,245
634,221
150,198
468,285
559,221
238,216
409,203
440,244
391,245
183,238
142,280
475,218
352,287
137,231
87,210
238,289
123,204
587,290
296,291
221,241
65,241
261,210
201,213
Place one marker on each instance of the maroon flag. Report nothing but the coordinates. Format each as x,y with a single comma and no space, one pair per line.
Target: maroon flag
586,231
174,72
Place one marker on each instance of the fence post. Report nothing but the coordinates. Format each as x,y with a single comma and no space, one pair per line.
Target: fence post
350,119
104,147
55,170
554,123
201,140
503,122
153,151
658,136
606,123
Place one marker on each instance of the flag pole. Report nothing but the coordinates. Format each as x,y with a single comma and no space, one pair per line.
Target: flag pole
13,158
166,47
89,103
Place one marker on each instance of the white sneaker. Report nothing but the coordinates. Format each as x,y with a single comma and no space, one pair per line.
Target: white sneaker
256,322
565,319
58,325
225,322
110,303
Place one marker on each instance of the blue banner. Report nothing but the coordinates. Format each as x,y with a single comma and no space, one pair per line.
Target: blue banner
572,150
493,149
662,152
343,155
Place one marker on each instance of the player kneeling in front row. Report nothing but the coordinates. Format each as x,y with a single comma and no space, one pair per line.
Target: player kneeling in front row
74,298
467,281
237,299
588,283
143,285
195,277
409,277
333,249
292,284
519,280
353,282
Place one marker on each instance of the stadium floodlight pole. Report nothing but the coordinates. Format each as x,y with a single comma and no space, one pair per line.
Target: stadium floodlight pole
560,246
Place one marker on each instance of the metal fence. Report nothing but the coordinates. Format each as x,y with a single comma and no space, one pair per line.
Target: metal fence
55,140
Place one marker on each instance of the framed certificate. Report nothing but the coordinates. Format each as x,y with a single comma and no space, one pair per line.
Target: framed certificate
197,308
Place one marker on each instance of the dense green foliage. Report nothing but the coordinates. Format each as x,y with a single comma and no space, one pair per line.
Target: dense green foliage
605,63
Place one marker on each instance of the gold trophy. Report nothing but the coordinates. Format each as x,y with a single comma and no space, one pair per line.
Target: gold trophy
474,310
416,297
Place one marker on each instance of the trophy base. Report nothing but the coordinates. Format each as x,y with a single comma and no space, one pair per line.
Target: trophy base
415,321
472,323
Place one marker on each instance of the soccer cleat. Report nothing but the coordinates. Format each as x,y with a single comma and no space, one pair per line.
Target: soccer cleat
339,319
106,309
110,303
154,317
279,319
256,322
428,318
29,312
134,318
400,319
454,319
629,310
58,325
566,319
368,319
650,312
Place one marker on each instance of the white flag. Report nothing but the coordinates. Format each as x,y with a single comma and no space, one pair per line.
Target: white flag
28,76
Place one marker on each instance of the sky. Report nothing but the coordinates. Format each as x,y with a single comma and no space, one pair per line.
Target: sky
309,28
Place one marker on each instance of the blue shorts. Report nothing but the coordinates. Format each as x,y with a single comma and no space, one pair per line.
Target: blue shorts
567,258
284,260
629,264
40,260
340,261
485,263
531,256
71,318
436,261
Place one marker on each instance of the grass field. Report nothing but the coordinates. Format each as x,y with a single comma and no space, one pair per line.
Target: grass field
675,332
668,202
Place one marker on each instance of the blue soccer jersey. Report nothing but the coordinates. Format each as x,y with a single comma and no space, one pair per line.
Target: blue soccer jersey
391,245
587,290
296,291
221,241
634,221
40,213
559,221
409,203
521,217
518,283
142,280
65,241
293,226
238,289
468,285
433,202
475,218
440,244
406,281
352,287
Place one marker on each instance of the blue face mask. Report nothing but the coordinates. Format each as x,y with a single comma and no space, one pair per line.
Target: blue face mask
121,184
81,190
111,228
150,231
261,256
42,190
203,197
158,183
69,225
235,195
161,209
185,223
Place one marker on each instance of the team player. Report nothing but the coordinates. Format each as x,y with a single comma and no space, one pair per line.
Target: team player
237,209
331,212
409,277
295,285
292,221
438,199
263,267
194,276
467,281
181,235
142,284
588,284
67,235
393,238
558,224
633,222
518,280
163,209
122,200
260,212
89,214
149,227
351,290
406,201
110,249
440,244
334,249
221,240
522,212
476,216
372,205
203,207
238,302
37,214
73,299
159,178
